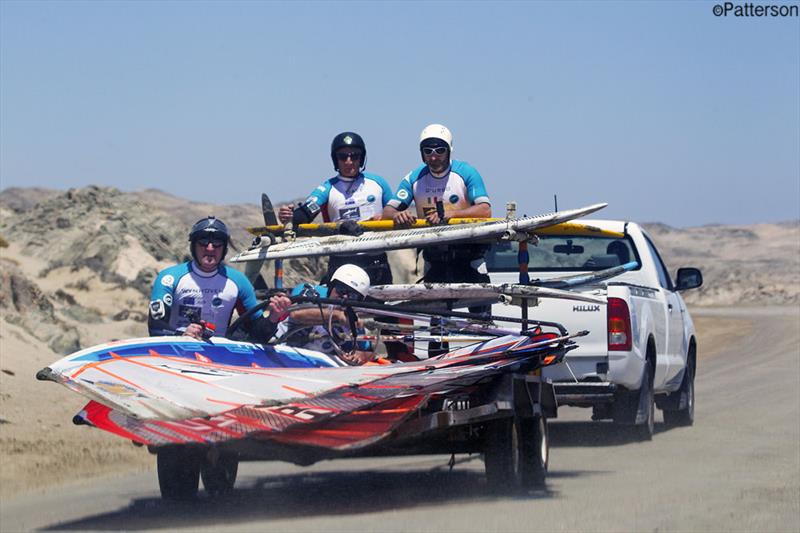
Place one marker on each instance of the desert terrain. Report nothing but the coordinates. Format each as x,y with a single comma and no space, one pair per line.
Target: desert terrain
77,267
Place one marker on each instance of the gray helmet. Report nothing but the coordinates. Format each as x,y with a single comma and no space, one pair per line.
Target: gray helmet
212,228
348,138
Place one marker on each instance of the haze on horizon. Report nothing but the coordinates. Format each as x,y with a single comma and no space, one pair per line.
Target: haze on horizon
662,109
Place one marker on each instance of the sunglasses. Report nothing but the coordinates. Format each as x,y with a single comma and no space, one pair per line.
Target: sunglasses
347,293
439,150
216,243
344,156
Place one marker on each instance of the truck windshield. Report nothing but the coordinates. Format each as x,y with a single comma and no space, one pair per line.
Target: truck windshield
564,253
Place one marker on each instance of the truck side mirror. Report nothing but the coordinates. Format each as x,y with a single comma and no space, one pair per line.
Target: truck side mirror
688,278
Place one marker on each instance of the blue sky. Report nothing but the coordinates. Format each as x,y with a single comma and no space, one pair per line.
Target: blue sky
662,109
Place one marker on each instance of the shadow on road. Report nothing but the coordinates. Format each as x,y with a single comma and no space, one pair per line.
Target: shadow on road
313,494
593,434
302,496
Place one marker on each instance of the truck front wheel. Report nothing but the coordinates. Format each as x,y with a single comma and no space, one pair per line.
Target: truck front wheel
646,412
684,414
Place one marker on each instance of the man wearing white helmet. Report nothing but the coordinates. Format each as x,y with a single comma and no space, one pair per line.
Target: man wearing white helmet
308,328
460,189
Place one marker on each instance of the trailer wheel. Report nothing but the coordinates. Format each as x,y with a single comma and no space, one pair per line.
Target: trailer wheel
684,415
516,454
220,476
178,472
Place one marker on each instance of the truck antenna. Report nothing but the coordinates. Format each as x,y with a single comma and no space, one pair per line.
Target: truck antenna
555,201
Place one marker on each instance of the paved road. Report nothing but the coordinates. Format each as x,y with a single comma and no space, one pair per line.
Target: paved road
737,469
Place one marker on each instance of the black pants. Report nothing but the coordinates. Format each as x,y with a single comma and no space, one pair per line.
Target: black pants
454,268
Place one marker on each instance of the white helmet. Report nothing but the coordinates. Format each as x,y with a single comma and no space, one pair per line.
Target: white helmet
354,277
437,131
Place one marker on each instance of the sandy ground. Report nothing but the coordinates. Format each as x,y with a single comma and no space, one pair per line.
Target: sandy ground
40,447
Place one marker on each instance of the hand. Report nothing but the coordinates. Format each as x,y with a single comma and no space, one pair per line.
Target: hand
433,218
279,307
404,218
285,213
357,357
194,330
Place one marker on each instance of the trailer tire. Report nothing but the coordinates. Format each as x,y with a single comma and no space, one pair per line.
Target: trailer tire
219,477
516,454
178,472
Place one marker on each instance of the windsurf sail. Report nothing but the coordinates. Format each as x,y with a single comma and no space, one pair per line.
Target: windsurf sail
226,390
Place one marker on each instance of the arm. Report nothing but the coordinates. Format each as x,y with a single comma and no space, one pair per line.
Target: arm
313,205
401,218
482,210
397,207
311,316
263,328
160,307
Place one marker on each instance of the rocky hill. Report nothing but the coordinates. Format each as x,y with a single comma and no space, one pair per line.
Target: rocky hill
78,265
757,264
82,261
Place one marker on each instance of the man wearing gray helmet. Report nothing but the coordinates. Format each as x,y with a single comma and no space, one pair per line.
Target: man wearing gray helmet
350,196
193,297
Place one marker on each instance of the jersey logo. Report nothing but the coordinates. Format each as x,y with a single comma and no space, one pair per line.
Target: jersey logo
350,213
371,198
216,302
168,280
402,194
157,310
190,312
167,299
453,198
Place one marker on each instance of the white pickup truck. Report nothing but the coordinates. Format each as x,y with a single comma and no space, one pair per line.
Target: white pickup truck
641,349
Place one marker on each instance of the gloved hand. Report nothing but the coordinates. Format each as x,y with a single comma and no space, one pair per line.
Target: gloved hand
350,227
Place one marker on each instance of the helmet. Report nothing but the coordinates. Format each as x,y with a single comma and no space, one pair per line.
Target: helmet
434,132
353,277
348,138
209,227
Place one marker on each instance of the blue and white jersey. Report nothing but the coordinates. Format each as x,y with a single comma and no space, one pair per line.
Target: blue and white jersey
184,290
359,198
459,189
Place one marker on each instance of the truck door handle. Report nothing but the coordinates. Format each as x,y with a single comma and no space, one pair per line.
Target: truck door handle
669,306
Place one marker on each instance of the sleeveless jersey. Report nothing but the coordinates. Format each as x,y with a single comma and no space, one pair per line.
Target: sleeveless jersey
184,290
